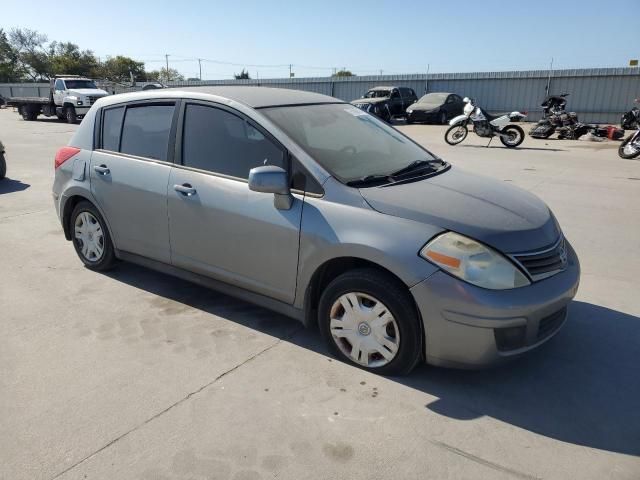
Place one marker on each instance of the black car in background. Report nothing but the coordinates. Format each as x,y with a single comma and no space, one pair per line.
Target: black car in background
387,102
436,107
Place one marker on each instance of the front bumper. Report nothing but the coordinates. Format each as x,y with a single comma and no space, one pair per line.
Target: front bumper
471,327
423,116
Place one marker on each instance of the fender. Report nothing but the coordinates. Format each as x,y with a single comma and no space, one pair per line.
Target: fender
458,120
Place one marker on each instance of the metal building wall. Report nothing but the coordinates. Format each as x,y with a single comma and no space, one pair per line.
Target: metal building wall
598,95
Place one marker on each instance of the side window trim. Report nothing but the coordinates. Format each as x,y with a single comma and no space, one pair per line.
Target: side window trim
179,137
98,140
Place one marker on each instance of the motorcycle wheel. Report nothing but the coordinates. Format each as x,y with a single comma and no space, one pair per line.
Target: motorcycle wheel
516,136
456,134
628,150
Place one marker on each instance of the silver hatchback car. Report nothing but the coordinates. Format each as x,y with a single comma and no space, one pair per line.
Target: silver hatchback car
316,209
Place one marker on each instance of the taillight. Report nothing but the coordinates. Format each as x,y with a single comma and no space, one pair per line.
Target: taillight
64,154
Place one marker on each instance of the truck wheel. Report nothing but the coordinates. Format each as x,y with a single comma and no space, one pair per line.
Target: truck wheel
3,166
28,114
70,114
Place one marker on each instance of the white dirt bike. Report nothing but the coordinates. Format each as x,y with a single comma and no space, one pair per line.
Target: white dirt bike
485,125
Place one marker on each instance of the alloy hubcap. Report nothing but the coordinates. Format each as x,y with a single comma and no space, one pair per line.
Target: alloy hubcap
364,329
89,236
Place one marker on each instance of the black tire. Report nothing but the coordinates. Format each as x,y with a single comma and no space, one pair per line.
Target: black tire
409,121
517,131
108,259
443,118
28,114
395,298
456,134
3,166
70,114
621,149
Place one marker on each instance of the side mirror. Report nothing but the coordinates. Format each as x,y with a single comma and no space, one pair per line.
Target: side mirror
272,179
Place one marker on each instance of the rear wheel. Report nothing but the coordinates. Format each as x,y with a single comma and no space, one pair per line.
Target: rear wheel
29,114
515,136
456,134
91,237
369,320
629,149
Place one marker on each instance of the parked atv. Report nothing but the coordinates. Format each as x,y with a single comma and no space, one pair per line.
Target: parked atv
3,162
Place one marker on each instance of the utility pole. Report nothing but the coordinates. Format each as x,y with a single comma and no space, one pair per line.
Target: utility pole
290,70
549,78
380,72
426,80
166,57
200,67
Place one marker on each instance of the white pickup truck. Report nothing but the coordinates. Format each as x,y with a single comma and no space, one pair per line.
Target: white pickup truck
70,98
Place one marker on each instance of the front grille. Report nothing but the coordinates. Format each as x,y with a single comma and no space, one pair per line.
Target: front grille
92,99
543,263
363,106
550,324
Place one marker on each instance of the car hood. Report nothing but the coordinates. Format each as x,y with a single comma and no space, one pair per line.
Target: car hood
370,100
94,92
498,214
425,106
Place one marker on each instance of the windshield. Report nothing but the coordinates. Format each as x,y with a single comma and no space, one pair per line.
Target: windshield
75,84
434,98
347,142
377,94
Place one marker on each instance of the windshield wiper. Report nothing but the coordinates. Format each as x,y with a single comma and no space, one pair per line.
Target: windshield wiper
416,166
370,179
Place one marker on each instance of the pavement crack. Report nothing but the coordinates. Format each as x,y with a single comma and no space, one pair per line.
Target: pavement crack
179,402
482,461
22,214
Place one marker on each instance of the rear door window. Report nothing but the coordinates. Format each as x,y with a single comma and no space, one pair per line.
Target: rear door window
218,141
111,126
146,131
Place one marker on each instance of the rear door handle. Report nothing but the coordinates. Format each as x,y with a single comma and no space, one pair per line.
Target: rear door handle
185,189
101,169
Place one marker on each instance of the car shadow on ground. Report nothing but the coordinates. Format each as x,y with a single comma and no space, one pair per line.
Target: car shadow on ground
582,387
9,185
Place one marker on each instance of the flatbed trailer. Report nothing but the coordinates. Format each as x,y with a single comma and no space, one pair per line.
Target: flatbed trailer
70,97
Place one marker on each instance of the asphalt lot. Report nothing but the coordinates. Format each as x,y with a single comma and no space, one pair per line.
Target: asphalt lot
133,374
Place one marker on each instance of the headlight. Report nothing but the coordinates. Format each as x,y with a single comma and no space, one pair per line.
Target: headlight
79,102
409,110
473,262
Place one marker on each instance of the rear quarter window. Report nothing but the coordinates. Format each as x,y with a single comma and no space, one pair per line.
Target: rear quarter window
111,126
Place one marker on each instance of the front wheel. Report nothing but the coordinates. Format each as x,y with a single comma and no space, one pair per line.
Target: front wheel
456,134
368,319
514,136
629,149
70,114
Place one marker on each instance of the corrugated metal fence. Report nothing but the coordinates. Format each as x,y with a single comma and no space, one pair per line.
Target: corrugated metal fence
598,95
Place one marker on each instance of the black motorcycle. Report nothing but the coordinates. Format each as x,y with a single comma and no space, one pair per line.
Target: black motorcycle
555,118
630,147
631,119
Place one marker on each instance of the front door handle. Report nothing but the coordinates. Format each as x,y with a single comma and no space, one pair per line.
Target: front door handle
101,169
185,189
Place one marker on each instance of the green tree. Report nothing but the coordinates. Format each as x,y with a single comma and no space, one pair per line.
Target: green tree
163,76
67,58
29,46
343,73
9,68
120,69
243,75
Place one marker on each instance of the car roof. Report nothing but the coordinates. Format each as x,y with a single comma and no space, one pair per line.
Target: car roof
255,97
382,88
